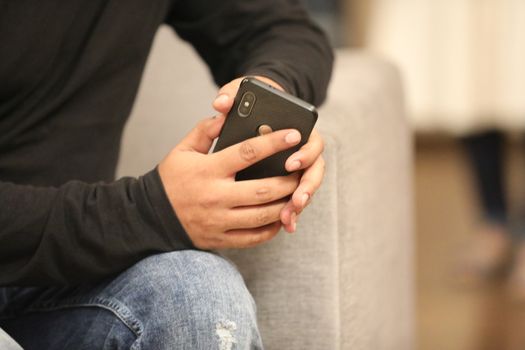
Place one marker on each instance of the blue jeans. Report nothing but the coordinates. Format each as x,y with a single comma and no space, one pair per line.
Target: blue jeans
178,300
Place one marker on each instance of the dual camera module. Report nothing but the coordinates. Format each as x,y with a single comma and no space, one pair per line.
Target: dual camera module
246,104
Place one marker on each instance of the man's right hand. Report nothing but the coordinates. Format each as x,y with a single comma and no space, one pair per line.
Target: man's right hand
216,211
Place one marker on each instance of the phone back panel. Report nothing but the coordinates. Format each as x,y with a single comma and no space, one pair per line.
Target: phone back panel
274,108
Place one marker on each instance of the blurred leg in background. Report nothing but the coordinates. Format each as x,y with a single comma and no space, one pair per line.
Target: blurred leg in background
486,155
500,234
517,276
489,250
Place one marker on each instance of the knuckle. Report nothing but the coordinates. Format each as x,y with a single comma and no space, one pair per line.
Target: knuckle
215,241
192,221
210,201
305,181
202,173
201,126
262,217
263,194
207,224
257,239
247,151
200,242
264,236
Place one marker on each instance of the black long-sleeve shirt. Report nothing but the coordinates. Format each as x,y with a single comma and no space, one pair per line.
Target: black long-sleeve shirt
69,73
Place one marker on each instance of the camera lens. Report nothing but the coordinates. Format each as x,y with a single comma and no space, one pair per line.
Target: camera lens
246,104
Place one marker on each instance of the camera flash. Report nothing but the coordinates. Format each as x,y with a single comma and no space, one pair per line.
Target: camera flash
246,104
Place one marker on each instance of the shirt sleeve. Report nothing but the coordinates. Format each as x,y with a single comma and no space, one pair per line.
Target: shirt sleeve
82,232
272,38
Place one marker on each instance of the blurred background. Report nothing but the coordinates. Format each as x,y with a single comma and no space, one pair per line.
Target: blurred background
463,66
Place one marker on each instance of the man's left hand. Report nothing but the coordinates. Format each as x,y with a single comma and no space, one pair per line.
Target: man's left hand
308,158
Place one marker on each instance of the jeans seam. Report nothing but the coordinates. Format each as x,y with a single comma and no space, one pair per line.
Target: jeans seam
119,311
136,344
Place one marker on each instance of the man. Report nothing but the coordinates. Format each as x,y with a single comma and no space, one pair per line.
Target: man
123,264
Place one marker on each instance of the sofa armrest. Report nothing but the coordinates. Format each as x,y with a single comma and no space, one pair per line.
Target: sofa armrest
345,279
366,119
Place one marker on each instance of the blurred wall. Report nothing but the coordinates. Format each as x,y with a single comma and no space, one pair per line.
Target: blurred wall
462,60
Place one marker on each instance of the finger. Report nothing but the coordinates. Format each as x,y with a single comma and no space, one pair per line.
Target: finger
201,137
288,217
226,95
308,153
241,155
260,191
310,183
250,238
253,216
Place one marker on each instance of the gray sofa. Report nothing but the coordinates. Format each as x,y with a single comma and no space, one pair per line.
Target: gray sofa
345,279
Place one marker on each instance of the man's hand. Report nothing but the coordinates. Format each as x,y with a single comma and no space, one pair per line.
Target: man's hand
215,210
309,158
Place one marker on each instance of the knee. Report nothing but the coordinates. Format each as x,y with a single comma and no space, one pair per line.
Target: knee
199,277
201,293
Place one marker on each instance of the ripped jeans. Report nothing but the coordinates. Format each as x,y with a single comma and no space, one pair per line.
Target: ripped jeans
179,300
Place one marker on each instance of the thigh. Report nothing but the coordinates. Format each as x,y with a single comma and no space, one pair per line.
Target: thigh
71,327
182,300
81,317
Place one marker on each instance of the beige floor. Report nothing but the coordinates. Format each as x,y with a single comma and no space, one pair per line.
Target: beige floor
452,317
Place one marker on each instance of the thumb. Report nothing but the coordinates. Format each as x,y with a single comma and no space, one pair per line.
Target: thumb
226,95
224,100
201,137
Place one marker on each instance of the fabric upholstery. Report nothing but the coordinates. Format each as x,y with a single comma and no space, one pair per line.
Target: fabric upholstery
6,343
345,279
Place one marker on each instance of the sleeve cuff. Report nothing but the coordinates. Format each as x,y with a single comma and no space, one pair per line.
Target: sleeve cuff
173,229
275,76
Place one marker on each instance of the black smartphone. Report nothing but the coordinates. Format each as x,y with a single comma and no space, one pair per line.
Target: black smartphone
260,108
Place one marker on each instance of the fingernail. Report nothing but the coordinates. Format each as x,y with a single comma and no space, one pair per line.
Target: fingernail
296,164
293,137
305,199
293,219
221,99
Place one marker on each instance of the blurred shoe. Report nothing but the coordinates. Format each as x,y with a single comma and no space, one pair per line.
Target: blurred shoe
486,256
